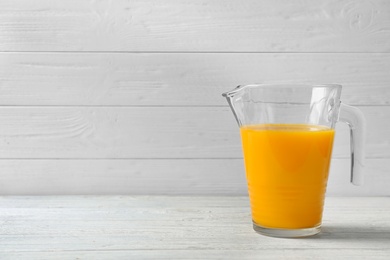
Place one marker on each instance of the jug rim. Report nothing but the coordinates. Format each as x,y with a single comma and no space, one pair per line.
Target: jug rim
280,85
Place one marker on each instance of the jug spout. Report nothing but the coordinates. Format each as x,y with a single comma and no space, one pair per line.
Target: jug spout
234,92
232,97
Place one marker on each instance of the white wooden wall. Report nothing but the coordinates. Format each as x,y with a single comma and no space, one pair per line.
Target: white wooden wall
124,96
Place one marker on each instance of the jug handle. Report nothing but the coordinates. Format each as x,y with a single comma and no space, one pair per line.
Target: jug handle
354,118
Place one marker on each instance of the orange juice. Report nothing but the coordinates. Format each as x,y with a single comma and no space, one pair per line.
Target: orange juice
287,169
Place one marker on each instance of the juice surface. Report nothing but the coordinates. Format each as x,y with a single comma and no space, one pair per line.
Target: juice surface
287,169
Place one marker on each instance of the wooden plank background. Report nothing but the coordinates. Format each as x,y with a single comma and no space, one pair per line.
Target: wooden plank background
124,97
195,26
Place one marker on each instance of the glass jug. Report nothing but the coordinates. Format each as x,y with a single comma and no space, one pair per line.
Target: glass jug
287,133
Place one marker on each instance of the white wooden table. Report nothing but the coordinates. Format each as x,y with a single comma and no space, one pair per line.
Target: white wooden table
172,227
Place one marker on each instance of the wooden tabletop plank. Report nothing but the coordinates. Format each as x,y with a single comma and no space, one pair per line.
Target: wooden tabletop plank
185,227
204,254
